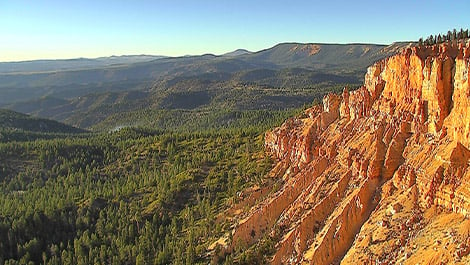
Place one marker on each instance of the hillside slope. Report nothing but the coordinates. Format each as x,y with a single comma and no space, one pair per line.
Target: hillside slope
322,56
377,175
18,121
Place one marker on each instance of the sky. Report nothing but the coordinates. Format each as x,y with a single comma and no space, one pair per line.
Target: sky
58,29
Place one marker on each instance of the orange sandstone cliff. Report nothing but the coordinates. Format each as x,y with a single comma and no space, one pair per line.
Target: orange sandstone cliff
379,175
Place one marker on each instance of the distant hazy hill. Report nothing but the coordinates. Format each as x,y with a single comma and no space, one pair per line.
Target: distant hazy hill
75,64
320,56
205,88
343,59
18,121
237,52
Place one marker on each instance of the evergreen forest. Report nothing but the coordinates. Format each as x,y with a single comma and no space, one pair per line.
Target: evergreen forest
128,196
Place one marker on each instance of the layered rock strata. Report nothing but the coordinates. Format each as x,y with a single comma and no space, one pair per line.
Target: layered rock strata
375,175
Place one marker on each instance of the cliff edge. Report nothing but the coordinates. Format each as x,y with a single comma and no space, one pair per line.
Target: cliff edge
378,175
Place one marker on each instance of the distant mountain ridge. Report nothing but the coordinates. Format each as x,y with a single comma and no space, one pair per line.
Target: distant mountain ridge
344,59
288,75
237,52
47,65
319,56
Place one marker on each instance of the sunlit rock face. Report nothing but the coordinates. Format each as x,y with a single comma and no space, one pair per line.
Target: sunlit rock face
375,175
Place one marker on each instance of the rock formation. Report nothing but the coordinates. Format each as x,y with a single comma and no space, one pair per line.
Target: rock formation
378,175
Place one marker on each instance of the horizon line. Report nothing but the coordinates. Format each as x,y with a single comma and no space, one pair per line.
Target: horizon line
193,55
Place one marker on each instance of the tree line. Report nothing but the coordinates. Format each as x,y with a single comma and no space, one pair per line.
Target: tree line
452,35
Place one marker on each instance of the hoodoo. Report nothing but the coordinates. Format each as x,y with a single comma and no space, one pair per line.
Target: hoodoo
377,175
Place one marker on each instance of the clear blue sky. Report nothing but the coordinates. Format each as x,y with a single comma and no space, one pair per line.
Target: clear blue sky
34,29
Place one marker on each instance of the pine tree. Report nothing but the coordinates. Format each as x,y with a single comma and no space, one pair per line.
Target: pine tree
432,40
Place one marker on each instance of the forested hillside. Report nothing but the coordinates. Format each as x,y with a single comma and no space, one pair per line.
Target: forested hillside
19,121
132,196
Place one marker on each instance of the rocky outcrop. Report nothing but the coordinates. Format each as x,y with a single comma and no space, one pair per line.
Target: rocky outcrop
372,174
